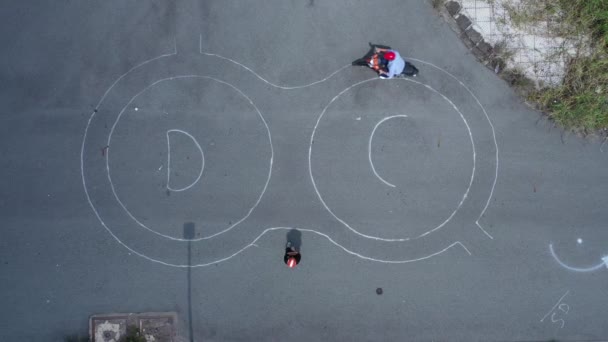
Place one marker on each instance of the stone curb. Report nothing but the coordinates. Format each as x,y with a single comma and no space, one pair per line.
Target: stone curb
461,24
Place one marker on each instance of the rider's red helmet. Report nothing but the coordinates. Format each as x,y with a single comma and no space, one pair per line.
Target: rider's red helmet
292,262
389,55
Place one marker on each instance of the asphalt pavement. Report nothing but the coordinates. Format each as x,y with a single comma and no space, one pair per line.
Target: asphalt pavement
156,156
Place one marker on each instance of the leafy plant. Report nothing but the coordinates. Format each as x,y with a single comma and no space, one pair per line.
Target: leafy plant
134,335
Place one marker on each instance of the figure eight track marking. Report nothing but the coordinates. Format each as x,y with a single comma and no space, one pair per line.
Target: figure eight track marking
97,214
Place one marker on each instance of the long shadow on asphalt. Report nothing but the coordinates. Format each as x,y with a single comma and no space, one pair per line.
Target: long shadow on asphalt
189,234
295,237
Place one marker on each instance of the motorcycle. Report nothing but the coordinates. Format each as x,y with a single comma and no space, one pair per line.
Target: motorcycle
374,60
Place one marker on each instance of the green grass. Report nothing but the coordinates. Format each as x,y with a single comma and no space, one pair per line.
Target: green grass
581,102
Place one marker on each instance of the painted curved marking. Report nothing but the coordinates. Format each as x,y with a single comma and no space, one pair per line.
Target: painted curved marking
200,174
312,138
483,211
555,306
575,269
141,224
268,82
369,147
273,84
130,70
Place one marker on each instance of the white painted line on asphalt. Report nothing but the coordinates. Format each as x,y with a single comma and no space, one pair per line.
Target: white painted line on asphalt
493,137
253,243
202,168
312,138
577,269
562,307
109,142
126,73
266,81
369,147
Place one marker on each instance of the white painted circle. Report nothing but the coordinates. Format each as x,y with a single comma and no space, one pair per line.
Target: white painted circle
344,222
138,221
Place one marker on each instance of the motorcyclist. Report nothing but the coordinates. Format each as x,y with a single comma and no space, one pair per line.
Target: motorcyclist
394,63
292,256
386,61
